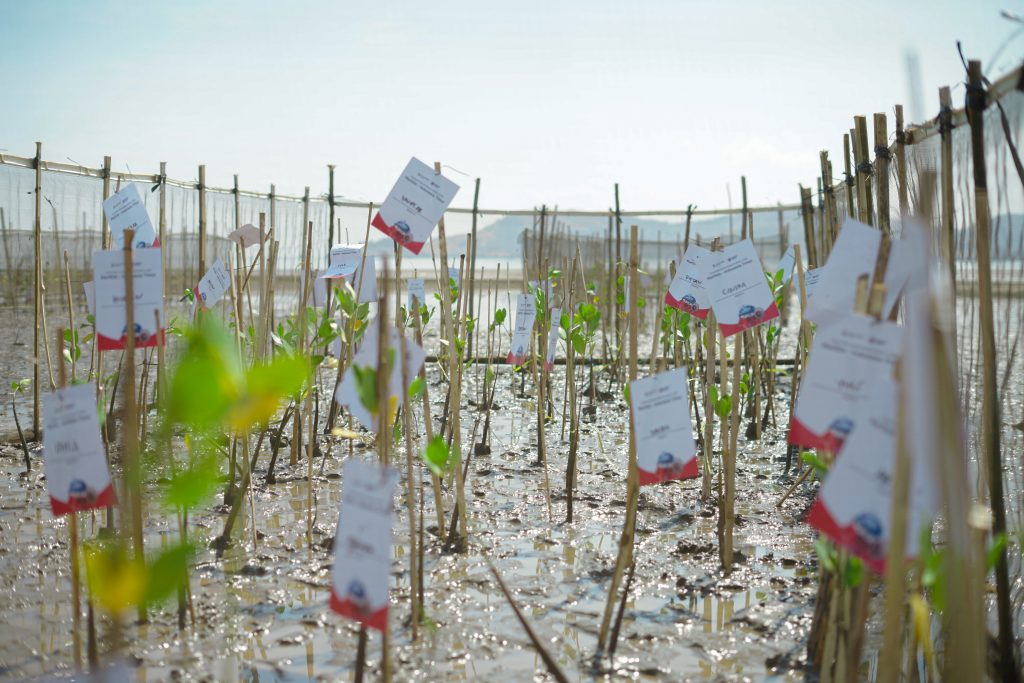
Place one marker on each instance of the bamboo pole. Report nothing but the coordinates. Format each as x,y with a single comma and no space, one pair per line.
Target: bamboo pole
625,554
991,422
901,161
129,420
863,159
330,212
851,207
453,398
882,157
806,211
162,225
472,263
202,220
76,599
947,196
37,290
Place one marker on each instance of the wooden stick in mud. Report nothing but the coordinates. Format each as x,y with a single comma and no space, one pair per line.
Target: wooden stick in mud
129,417
428,425
76,590
202,220
865,201
727,506
625,555
538,644
37,292
990,422
384,425
882,157
454,399
410,485
71,322
947,216
307,287
570,380
709,407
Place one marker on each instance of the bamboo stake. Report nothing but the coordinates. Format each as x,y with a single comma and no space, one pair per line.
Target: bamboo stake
129,426
410,487
806,211
991,421
453,398
202,220
882,157
861,156
76,599
851,207
71,321
37,290
901,161
625,554
947,198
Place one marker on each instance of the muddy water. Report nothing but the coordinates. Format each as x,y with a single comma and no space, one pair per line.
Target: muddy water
261,612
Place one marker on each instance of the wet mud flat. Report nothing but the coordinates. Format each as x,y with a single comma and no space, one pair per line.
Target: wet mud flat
261,611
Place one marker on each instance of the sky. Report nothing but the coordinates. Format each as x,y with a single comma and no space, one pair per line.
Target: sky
548,102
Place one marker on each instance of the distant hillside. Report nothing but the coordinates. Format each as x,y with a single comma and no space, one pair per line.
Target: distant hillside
501,238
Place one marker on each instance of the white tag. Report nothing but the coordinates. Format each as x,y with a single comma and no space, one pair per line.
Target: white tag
665,448
853,255
415,205
362,545
147,281
366,357
526,315
549,358
739,292
214,285
847,356
687,292
124,211
73,457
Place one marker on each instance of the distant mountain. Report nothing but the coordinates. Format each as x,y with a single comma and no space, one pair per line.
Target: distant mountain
501,239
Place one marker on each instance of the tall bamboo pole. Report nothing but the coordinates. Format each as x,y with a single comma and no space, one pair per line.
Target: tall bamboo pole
807,213
625,556
947,197
862,157
991,422
851,207
330,211
37,294
472,263
202,220
901,160
743,191
882,157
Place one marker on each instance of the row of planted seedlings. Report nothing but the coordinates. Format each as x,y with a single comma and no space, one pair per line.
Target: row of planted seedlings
227,389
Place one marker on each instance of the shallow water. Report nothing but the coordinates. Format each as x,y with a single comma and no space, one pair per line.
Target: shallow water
261,612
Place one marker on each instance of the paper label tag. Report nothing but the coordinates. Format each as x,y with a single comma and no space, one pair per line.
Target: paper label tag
362,545
549,357
853,255
415,205
417,294
737,287
847,356
147,280
125,211
77,477
526,315
687,292
366,358
214,285
665,447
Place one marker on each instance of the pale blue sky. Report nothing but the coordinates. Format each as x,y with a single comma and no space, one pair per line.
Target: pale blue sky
546,101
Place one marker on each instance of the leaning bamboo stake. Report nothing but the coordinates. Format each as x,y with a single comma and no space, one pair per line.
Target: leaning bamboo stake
727,512
538,644
625,555
453,398
991,421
